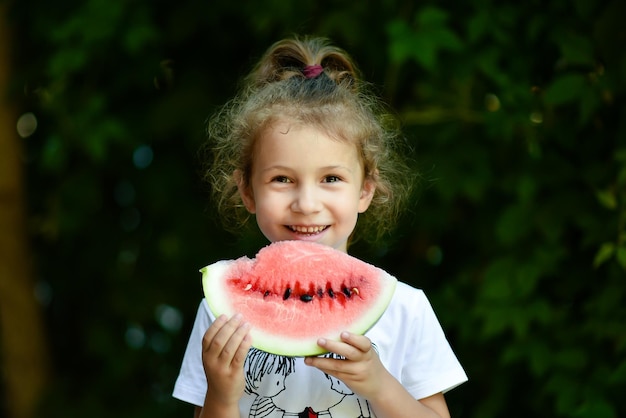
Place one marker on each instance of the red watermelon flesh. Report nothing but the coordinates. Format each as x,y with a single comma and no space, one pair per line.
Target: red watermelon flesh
295,292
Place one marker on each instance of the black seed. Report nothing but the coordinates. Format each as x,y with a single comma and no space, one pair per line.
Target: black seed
287,293
346,292
320,292
267,293
331,293
306,298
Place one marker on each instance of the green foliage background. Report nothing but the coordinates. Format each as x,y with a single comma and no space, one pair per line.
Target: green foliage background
515,111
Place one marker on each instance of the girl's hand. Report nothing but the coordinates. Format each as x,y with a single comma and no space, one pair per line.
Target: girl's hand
224,349
361,369
363,372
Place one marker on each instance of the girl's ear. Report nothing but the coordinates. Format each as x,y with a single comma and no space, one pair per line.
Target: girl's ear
367,194
245,191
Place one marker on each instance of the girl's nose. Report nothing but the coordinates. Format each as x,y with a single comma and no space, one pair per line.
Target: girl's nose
306,200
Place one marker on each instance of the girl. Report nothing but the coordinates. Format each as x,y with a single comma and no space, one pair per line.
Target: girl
307,150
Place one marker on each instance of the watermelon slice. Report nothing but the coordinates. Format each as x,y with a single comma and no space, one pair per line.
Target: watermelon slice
295,292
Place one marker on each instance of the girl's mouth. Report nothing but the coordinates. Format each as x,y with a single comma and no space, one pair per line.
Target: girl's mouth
307,230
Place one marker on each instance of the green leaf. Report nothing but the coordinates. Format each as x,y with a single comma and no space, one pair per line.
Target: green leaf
478,26
571,358
607,198
605,252
513,224
537,26
431,16
577,49
620,155
399,45
54,155
565,89
618,375
446,39
424,42
589,103
487,60
424,52
65,61
526,188
596,408
138,36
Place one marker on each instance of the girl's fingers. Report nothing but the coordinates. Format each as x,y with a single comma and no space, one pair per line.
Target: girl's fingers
361,342
243,342
226,339
210,333
351,346
237,344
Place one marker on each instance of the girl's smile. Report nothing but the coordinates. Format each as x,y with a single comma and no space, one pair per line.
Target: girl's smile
307,230
306,185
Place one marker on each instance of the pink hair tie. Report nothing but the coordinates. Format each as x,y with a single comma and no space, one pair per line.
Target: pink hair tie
312,71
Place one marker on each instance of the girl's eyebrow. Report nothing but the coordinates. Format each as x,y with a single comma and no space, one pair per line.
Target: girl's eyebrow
276,167
337,167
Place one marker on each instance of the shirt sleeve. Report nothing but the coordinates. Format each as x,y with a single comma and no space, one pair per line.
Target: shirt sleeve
430,365
191,383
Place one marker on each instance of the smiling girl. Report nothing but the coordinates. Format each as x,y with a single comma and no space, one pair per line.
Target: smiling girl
308,151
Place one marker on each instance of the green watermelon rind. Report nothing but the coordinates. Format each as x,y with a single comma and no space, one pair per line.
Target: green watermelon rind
220,304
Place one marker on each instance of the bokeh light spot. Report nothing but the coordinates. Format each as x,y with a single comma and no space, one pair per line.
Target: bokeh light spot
26,125
492,103
135,336
536,118
169,317
143,156
434,255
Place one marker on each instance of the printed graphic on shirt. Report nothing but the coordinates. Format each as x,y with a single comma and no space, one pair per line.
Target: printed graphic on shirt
318,395
267,371
341,388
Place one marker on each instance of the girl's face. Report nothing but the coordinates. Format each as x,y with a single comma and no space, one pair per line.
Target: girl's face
305,185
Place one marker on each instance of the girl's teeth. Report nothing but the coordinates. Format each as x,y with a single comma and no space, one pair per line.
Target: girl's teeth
307,229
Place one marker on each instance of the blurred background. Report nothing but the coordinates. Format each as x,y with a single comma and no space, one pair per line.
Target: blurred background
515,114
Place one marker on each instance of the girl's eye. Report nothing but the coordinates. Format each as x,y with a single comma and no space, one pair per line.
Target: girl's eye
281,179
331,179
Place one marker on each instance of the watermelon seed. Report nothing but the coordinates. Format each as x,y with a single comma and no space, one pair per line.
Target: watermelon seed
331,293
355,290
267,293
248,286
320,292
306,298
287,293
346,292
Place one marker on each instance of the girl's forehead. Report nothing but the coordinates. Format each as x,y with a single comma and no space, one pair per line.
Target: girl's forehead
285,133
303,148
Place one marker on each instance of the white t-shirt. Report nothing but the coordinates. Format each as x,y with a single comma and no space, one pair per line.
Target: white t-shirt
408,338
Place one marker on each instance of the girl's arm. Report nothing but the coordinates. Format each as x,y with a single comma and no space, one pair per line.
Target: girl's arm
363,372
394,401
224,349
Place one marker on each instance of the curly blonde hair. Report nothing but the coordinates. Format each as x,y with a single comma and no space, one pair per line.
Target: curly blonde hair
336,102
